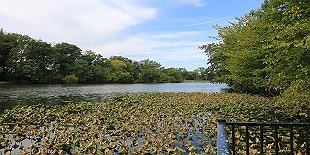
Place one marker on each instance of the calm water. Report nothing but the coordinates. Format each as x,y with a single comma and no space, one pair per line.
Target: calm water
13,95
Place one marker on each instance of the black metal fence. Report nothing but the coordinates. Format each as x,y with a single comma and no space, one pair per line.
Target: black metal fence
278,138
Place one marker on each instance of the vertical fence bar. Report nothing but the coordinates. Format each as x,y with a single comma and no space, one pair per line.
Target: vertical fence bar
233,140
276,140
291,140
307,141
247,140
261,139
222,142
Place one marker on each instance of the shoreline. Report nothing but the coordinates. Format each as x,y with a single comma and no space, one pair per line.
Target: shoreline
4,82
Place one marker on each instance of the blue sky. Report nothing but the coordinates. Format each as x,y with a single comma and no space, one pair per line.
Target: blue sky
167,31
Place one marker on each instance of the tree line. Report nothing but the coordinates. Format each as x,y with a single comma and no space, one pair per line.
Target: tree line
27,60
267,51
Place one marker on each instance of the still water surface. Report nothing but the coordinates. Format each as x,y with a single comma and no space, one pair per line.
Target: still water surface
13,95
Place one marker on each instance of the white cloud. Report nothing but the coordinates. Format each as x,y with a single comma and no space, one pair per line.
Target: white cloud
99,25
71,20
197,3
209,22
174,35
127,46
165,47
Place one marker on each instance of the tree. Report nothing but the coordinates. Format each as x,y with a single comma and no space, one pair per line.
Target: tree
189,75
20,66
7,43
120,70
39,55
137,69
287,42
70,79
84,67
264,51
150,71
64,57
201,73
99,70
172,75
27,60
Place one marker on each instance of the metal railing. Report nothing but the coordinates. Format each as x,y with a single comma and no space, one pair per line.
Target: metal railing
293,129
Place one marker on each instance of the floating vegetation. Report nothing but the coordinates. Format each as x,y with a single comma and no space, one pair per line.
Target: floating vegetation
159,123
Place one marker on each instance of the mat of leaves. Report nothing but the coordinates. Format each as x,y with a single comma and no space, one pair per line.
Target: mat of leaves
158,123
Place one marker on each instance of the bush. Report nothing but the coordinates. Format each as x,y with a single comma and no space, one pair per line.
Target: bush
70,79
296,100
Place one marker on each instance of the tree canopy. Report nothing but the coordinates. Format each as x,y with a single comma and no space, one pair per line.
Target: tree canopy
27,60
265,51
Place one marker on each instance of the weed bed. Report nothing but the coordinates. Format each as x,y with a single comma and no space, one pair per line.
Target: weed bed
159,123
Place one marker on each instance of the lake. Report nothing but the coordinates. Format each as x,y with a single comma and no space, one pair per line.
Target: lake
13,95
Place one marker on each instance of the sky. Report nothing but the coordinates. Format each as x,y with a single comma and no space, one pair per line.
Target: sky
166,31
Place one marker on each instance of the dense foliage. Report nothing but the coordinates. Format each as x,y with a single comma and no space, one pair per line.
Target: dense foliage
27,60
265,51
161,123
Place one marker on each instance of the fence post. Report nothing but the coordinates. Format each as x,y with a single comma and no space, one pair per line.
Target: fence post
222,142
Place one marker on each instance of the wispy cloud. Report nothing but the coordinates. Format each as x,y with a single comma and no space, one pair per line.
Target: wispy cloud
197,3
137,29
209,22
173,35
73,21
180,48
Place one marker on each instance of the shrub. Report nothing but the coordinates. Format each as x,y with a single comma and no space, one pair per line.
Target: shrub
296,100
70,79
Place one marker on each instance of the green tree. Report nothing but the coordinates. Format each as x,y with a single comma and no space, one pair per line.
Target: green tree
23,64
84,67
64,57
189,75
264,51
39,54
201,74
28,60
99,70
172,75
150,71
70,79
137,69
7,43
120,70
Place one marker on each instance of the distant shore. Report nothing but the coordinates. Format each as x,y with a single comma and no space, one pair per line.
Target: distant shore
195,81
185,81
4,82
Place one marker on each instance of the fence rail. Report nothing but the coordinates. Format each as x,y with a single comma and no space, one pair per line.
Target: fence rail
301,129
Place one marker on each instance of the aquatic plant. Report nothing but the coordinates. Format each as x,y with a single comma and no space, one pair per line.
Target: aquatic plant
159,123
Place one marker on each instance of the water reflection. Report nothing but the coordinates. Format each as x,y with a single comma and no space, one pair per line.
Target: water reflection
13,95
